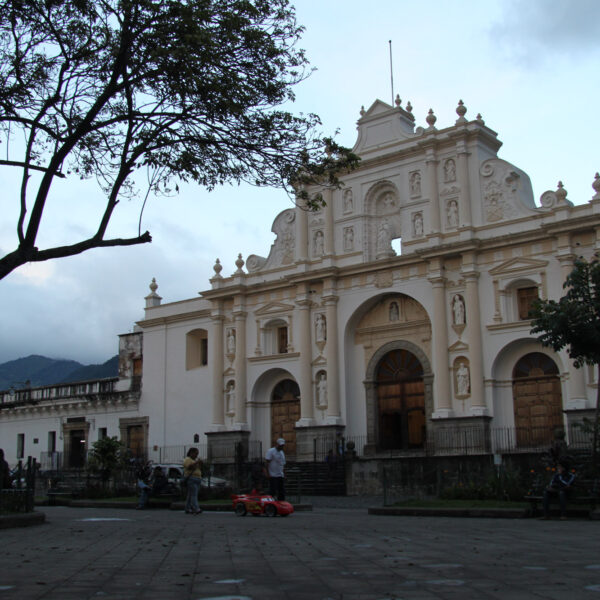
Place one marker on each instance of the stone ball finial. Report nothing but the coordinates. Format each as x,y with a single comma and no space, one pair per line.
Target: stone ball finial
596,185
461,111
363,112
218,267
409,107
153,285
431,118
561,193
397,102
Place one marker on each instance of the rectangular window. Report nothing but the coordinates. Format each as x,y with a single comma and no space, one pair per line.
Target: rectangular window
282,340
52,441
525,298
102,433
20,445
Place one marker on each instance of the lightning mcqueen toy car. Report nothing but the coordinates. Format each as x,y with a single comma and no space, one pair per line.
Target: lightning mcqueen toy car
260,504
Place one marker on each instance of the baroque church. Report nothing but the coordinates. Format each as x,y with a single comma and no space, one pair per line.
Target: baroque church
396,317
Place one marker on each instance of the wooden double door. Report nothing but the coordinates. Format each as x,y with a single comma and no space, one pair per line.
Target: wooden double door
285,412
401,401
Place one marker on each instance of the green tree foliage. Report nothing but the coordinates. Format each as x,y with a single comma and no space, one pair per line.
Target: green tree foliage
573,322
107,456
189,90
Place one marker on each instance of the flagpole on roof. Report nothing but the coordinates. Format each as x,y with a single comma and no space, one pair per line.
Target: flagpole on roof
391,72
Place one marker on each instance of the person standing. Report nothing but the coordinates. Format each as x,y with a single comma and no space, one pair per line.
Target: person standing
192,473
5,482
275,459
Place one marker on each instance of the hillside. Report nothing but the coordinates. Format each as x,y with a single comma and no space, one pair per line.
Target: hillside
41,370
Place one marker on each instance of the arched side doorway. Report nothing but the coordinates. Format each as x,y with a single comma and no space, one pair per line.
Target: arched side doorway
401,401
537,399
285,412
399,396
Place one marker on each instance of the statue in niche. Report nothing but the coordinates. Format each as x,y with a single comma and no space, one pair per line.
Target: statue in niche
322,390
458,310
394,312
389,201
348,201
415,183
452,213
320,328
449,170
348,238
462,380
384,236
418,225
319,244
230,398
230,342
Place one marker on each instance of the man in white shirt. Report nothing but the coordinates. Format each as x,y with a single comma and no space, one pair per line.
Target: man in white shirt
275,459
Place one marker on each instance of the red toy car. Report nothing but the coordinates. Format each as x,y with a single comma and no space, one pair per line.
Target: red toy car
260,504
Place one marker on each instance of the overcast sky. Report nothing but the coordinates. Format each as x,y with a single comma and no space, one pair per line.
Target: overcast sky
530,67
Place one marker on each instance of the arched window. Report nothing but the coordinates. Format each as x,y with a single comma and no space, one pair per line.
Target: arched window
196,349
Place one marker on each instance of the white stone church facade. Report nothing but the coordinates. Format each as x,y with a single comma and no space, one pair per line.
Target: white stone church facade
392,315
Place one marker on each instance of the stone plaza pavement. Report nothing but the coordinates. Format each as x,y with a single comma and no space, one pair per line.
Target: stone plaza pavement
326,554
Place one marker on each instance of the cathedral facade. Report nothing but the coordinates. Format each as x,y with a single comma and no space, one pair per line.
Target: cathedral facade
395,316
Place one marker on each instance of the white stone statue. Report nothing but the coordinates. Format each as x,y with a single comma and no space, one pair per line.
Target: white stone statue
418,225
319,244
394,312
415,184
349,238
230,342
449,170
348,201
463,379
389,201
452,215
322,390
230,398
320,328
458,310
384,236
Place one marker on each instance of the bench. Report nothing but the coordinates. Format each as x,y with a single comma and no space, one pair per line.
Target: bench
583,492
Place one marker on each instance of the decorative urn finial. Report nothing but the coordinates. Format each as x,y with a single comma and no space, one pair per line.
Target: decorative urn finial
153,285
480,119
561,193
362,111
239,263
409,107
596,185
218,267
397,101
431,118
461,111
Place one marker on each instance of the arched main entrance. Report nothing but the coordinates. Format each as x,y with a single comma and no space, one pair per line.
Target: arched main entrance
400,401
285,412
537,399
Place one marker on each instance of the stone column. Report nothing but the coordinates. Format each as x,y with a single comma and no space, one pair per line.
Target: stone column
329,241
301,231
432,185
463,180
218,408
241,420
305,350
473,317
442,390
330,300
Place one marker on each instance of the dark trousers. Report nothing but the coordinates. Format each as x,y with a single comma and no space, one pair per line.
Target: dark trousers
562,500
276,488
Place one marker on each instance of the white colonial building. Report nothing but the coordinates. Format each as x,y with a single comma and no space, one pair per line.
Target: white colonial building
396,316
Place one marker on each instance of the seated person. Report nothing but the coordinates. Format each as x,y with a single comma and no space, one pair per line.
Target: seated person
560,486
160,483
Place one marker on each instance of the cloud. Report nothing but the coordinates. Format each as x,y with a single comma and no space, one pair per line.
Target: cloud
533,31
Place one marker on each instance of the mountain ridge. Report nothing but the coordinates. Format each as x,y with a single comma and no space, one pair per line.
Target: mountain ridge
36,370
